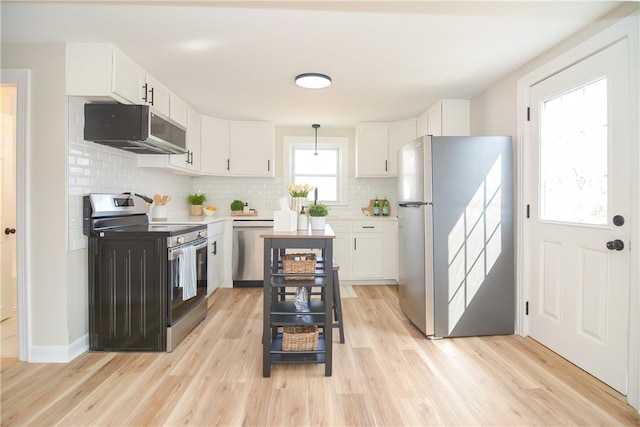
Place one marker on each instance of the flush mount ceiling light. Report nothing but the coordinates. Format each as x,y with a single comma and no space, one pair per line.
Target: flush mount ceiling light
313,80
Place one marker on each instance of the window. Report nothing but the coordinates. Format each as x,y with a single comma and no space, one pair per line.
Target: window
326,171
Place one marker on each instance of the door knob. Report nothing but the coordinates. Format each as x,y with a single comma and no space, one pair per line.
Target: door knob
9,230
618,220
615,245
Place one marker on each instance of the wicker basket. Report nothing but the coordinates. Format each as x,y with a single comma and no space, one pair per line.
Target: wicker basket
299,263
299,338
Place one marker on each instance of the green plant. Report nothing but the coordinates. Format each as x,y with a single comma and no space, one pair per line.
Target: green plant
196,199
237,205
318,209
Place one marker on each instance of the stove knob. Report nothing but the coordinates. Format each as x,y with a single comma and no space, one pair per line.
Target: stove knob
202,234
180,240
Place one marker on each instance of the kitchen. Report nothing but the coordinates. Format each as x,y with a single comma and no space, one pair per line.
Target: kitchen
58,310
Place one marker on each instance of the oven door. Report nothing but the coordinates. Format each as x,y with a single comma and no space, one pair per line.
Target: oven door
179,306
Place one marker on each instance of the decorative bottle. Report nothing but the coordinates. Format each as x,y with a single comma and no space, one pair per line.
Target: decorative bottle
302,220
385,207
376,207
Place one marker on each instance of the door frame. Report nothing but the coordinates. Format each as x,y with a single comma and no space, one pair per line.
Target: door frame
22,78
625,28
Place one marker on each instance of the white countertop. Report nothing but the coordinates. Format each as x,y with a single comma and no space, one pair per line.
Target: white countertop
188,219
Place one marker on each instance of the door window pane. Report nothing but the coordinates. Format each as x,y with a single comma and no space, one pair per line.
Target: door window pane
574,156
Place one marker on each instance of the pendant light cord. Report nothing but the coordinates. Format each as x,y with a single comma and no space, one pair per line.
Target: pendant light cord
316,126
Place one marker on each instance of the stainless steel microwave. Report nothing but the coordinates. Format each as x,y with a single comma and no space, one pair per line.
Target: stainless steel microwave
134,128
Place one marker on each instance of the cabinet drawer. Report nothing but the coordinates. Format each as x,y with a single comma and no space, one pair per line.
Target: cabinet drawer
340,227
215,228
366,227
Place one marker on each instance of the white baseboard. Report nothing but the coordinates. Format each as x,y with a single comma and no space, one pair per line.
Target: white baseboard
59,353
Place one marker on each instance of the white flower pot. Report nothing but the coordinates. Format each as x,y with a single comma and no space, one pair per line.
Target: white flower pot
317,222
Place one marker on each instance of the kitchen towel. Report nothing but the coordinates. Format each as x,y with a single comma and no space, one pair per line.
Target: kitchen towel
188,274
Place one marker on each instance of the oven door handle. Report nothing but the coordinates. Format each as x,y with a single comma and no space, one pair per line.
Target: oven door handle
174,253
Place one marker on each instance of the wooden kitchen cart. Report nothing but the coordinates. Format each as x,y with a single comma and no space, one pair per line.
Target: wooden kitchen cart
279,311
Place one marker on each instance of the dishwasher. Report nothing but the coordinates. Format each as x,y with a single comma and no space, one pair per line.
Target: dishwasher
248,251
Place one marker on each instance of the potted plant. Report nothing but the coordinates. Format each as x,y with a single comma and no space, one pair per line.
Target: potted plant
299,194
318,213
196,200
237,205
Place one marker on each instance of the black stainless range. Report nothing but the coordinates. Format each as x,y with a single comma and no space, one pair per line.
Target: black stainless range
147,282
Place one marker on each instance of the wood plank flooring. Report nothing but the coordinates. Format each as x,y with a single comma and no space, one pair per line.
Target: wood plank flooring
386,373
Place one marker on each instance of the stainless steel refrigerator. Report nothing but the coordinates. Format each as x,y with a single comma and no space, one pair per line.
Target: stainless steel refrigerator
456,245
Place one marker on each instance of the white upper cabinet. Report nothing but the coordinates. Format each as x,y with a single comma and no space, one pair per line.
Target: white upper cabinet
192,158
214,146
129,78
157,96
399,134
237,148
376,146
251,148
372,146
100,70
448,117
179,111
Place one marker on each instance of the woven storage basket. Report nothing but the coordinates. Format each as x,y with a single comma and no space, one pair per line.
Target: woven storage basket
299,263
299,338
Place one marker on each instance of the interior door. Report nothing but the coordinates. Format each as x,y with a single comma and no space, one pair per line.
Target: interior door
8,278
578,188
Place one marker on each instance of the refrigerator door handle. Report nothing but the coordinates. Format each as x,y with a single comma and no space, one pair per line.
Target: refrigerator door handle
414,204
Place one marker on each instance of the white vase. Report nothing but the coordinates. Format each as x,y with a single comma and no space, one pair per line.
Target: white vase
297,203
317,222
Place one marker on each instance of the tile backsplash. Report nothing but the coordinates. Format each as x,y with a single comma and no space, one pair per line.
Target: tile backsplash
94,168
262,194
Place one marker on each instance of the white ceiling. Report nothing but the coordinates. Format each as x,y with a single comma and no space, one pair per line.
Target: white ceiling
389,60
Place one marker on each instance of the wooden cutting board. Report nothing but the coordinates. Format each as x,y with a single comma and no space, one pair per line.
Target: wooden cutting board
240,213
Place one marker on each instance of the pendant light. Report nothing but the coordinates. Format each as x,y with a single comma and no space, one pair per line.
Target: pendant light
316,126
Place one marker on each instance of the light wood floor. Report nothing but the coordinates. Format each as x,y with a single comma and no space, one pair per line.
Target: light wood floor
386,373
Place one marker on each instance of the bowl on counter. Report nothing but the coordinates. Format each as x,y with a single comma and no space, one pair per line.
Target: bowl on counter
209,212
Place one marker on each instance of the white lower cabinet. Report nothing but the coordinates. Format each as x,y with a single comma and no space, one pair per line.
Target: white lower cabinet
342,246
366,250
367,258
215,259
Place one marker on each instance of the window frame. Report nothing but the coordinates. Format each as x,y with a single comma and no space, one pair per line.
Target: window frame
340,143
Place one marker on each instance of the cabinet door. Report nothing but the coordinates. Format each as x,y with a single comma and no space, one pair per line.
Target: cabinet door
399,134
214,146
449,117
251,148
372,147
391,250
215,263
179,110
368,256
434,118
342,247
158,96
191,159
128,78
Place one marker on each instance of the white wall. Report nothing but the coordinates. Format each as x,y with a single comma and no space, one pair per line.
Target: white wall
46,174
494,111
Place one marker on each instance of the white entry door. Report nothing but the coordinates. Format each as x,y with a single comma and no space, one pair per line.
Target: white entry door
578,188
